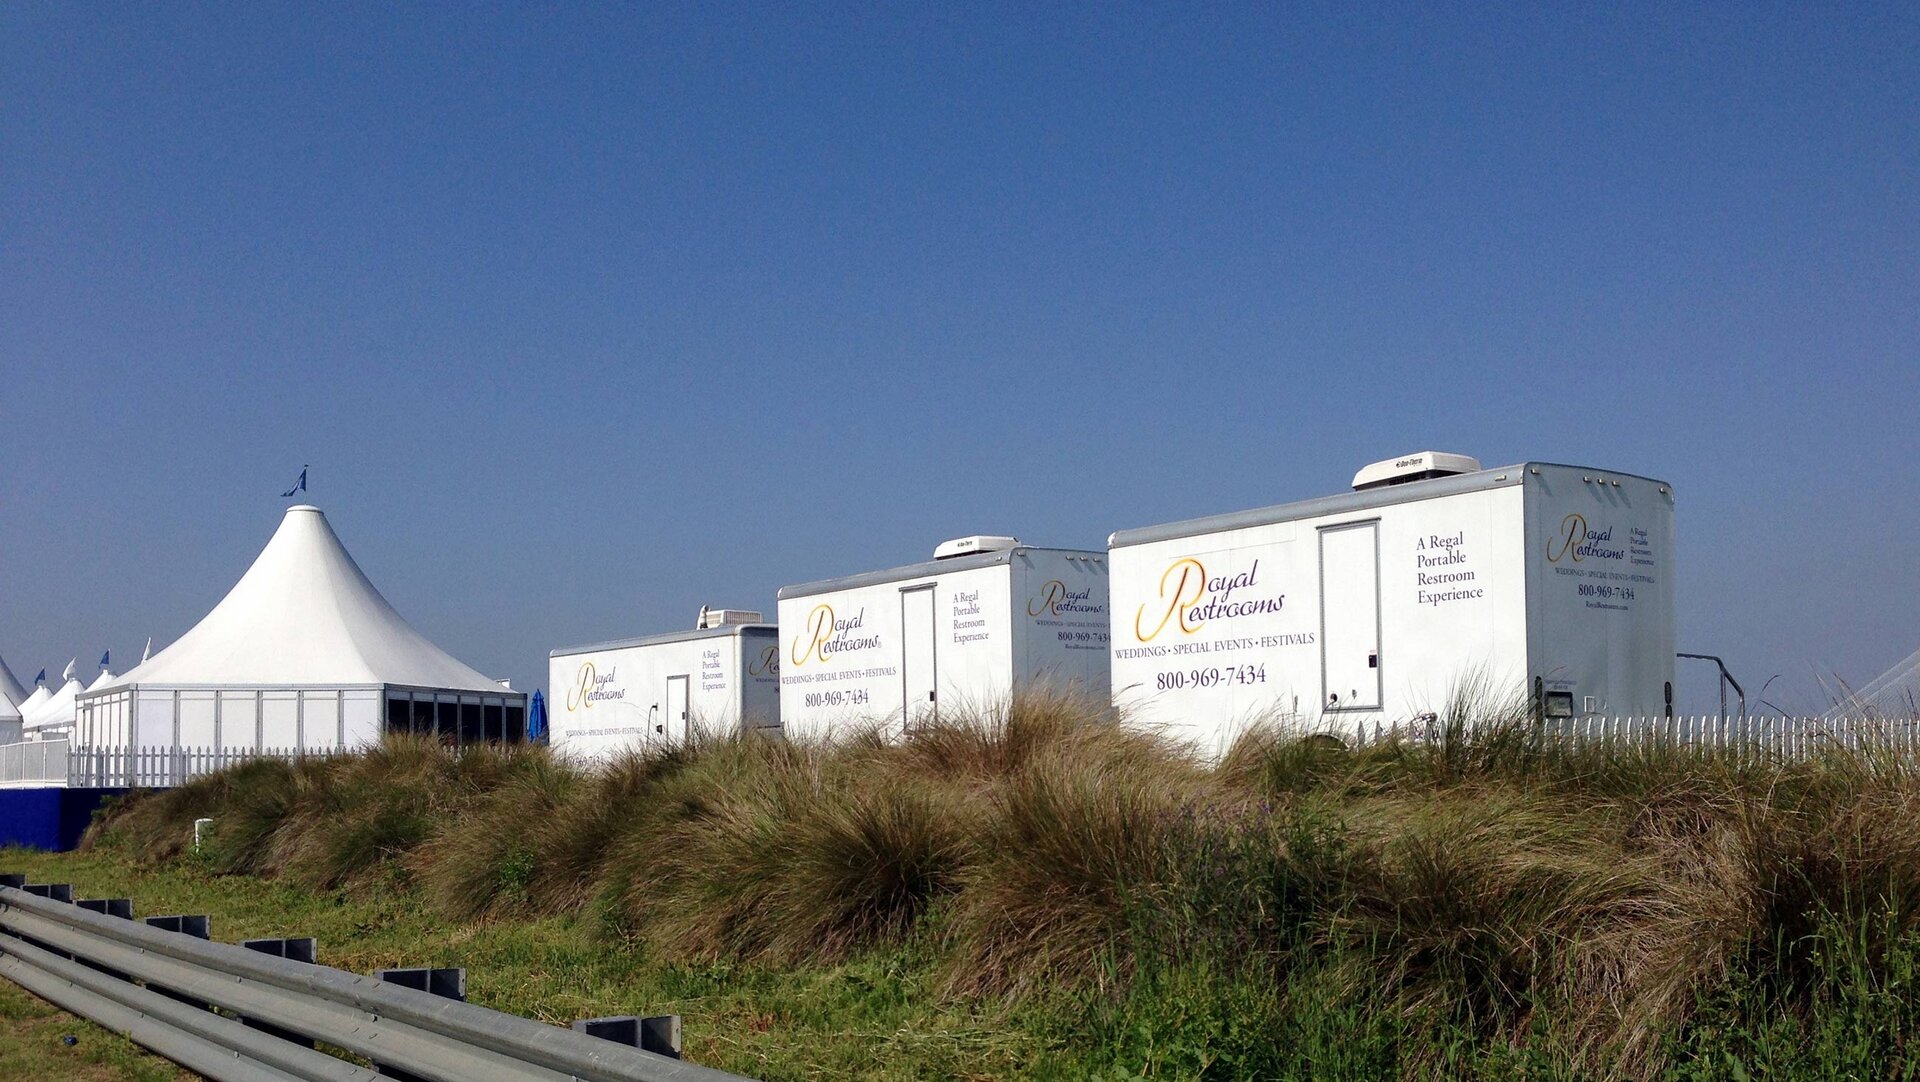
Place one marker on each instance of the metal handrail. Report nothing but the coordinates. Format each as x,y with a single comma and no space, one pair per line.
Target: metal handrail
1725,679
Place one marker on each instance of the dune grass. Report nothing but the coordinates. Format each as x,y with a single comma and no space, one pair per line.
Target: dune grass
1486,903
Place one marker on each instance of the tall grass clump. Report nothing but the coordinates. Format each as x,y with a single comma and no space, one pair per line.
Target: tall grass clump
1470,897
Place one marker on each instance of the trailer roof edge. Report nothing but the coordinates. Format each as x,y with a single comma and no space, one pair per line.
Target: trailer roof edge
721,632
927,569
1345,502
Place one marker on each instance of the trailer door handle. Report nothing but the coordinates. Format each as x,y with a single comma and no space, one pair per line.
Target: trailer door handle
1373,661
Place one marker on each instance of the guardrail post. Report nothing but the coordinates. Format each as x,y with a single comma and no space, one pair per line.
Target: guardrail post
55,892
659,1034
106,907
294,949
447,983
197,925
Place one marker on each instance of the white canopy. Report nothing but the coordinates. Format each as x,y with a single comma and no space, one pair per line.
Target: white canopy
105,679
33,701
12,692
55,711
305,615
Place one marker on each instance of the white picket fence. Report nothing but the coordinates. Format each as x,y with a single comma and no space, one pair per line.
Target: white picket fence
1756,737
1780,739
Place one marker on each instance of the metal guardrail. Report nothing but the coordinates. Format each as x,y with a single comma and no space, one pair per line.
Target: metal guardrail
254,1013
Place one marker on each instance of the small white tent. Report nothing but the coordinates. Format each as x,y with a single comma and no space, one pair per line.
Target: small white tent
51,718
32,702
11,696
12,692
302,652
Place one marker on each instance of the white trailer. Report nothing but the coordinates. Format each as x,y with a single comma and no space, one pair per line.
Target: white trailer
986,618
721,677
1548,582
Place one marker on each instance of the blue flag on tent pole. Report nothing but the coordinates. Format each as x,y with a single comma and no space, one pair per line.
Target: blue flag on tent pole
41,679
298,486
104,655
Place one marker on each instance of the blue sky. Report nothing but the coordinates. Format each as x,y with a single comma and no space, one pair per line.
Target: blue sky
586,316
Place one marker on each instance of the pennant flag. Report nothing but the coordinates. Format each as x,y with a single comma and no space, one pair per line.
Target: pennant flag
148,652
71,665
41,679
104,655
298,486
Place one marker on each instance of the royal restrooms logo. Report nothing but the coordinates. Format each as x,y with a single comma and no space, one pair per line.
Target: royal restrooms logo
1190,597
591,687
827,636
768,663
1576,541
1054,599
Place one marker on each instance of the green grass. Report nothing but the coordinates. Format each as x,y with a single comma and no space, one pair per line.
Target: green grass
33,1046
1038,893
874,1017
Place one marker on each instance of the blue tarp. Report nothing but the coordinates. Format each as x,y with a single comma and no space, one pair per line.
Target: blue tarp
51,818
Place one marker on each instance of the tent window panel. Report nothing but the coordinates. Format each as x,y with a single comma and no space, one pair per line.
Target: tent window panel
239,718
449,725
399,715
492,714
280,720
155,721
360,717
423,717
196,719
320,720
516,731
470,727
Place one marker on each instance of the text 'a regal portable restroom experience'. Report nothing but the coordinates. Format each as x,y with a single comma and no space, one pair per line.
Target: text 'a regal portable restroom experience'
721,677
987,618
1537,582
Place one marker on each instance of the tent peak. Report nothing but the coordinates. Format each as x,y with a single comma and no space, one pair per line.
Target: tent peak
304,507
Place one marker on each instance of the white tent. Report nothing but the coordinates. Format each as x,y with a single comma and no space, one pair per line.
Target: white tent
12,693
52,717
105,679
11,696
302,652
33,701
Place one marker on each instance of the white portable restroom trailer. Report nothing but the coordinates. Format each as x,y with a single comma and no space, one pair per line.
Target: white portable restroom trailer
1374,607
723,676
986,618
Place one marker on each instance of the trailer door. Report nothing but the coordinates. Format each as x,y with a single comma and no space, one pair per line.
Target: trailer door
919,672
673,727
1350,616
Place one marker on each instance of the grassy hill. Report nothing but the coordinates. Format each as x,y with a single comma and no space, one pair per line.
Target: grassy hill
1043,894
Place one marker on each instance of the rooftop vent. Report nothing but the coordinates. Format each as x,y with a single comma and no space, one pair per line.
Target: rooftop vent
725,618
1416,467
961,546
